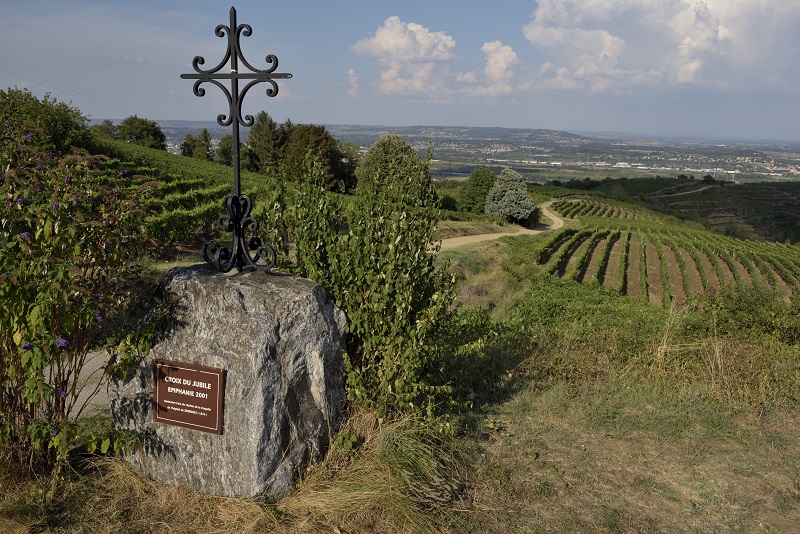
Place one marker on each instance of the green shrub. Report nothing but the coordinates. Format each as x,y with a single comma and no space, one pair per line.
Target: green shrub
58,126
383,275
477,186
70,239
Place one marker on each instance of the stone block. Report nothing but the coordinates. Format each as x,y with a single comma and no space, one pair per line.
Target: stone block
279,340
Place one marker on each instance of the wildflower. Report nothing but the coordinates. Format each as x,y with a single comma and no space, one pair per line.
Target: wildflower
61,342
68,179
39,167
54,432
26,347
25,235
55,205
61,393
125,171
98,317
22,201
29,136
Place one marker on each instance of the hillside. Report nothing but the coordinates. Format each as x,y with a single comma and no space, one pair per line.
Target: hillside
628,371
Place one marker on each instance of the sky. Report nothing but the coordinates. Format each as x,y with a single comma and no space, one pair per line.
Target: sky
714,68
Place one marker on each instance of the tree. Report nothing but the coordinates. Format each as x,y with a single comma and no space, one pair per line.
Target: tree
143,132
387,152
105,129
225,150
348,161
56,126
508,198
263,144
316,140
202,146
187,147
477,186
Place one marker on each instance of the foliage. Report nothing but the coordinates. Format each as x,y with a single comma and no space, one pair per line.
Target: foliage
374,165
192,190
384,277
225,150
264,144
477,186
509,198
107,128
198,147
58,126
71,240
140,131
322,145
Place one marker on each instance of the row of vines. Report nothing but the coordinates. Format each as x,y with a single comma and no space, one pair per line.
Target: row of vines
641,254
190,192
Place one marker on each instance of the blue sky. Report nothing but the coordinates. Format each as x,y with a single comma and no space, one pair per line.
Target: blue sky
722,68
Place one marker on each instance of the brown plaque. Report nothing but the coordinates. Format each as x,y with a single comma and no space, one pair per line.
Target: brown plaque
188,395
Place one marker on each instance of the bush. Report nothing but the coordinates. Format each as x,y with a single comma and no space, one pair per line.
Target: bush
508,198
477,186
389,149
58,126
384,277
70,240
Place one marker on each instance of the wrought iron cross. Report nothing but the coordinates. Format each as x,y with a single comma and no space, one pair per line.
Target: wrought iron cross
237,206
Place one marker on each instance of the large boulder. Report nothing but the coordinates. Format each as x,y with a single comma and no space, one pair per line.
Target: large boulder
279,341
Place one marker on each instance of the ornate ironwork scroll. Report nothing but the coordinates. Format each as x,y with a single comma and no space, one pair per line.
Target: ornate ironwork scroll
237,219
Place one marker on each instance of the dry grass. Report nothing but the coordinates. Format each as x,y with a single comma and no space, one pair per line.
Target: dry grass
358,489
483,280
448,229
566,461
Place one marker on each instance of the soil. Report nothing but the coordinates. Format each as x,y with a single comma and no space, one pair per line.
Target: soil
556,223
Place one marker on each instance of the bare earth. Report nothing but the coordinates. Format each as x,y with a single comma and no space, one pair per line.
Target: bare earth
455,242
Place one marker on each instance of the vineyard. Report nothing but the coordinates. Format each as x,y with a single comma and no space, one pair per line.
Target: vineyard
190,191
640,253
769,210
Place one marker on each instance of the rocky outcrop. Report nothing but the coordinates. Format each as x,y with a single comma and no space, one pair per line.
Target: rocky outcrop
279,341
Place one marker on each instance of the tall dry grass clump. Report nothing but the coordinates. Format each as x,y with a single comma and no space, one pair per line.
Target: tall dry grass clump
381,477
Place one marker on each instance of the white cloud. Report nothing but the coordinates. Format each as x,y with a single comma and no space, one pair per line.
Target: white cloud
498,72
409,54
616,44
353,90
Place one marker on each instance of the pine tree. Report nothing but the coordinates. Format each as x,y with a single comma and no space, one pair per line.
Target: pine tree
508,198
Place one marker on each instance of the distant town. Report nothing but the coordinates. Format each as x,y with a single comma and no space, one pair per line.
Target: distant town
542,155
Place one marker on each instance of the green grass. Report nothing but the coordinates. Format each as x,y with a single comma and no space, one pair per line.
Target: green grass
579,409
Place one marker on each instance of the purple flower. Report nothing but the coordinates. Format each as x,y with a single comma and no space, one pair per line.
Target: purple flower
26,347
55,205
98,317
29,136
25,235
54,432
61,342
125,171
22,201
39,167
61,393
68,179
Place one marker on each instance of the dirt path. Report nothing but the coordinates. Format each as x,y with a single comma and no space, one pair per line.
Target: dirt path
557,222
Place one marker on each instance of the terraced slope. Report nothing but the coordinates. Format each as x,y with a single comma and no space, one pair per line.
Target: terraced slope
646,255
